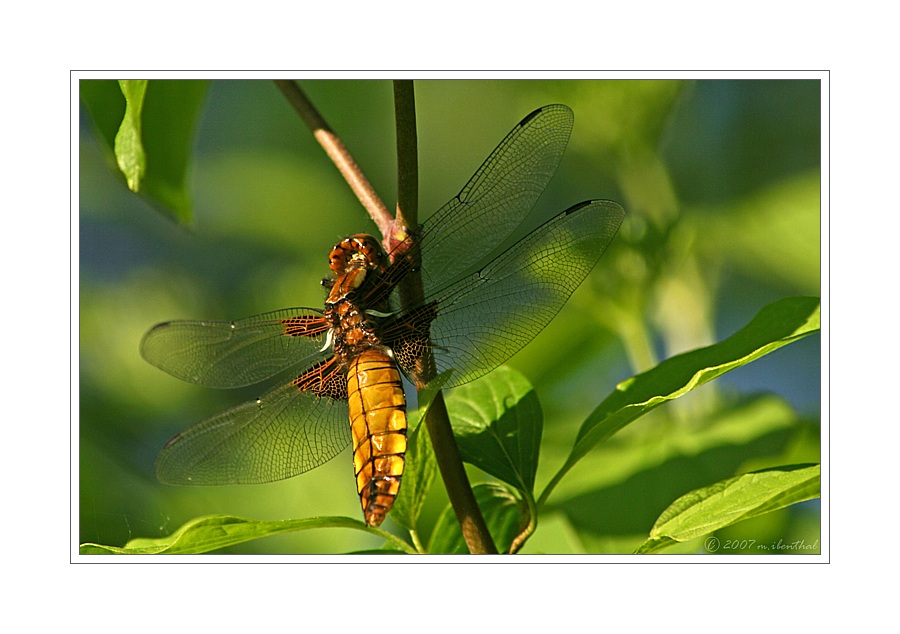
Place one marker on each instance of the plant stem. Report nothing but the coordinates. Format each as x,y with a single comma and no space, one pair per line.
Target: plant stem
474,528
407,155
529,528
339,154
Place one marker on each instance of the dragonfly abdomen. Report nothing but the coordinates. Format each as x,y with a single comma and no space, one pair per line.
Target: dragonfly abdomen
378,428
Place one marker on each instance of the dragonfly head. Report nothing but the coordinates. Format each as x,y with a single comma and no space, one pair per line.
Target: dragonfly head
357,251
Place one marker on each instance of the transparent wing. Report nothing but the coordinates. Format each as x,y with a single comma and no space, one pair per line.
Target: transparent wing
225,354
497,198
284,433
486,317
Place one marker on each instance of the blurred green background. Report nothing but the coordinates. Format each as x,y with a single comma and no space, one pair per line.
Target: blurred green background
720,181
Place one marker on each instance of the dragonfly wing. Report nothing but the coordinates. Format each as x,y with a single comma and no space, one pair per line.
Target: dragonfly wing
485,318
497,198
225,354
284,433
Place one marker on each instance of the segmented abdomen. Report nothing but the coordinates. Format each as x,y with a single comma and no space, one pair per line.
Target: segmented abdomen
378,427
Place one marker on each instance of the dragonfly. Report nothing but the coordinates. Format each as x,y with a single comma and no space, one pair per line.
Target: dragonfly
481,301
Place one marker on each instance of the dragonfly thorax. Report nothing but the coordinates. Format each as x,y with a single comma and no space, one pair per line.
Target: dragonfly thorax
358,263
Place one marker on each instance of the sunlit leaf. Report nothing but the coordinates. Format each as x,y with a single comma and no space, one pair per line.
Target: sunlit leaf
128,145
205,534
497,422
733,500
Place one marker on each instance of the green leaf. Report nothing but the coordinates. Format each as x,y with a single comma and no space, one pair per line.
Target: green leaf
502,512
497,422
163,124
776,325
663,462
420,466
730,501
419,469
205,534
128,146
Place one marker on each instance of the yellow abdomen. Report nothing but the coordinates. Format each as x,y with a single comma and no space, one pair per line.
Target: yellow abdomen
378,427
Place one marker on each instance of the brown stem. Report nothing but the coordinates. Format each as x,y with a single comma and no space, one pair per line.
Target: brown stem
474,528
339,155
